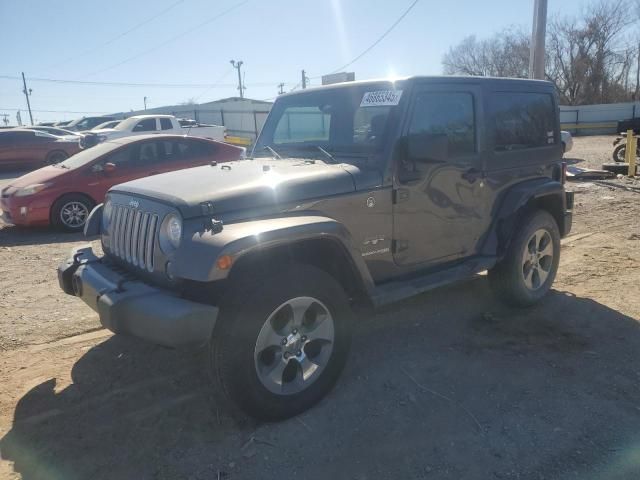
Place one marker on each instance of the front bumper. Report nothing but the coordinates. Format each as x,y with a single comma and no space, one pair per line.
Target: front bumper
24,213
132,307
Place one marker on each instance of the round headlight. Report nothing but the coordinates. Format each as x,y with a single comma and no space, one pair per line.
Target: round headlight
173,230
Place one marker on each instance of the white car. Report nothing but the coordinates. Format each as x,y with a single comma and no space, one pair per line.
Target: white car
567,141
146,124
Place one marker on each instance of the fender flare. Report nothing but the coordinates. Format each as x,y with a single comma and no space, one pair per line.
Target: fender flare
508,208
243,238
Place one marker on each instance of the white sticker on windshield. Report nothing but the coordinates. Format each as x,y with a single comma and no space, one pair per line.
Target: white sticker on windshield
381,98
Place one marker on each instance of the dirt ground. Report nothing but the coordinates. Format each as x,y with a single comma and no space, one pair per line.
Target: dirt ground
448,385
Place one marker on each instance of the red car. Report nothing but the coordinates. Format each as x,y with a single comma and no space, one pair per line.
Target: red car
63,194
23,148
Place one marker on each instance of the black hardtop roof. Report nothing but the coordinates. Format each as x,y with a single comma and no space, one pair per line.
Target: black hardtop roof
454,79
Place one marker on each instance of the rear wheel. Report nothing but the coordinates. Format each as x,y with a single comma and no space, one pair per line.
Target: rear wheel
530,265
55,157
70,212
278,354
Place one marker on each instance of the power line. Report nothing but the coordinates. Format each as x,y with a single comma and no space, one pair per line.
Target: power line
380,38
215,84
117,37
133,84
50,111
175,37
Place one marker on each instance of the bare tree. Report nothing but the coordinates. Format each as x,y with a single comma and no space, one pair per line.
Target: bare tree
590,59
504,55
587,58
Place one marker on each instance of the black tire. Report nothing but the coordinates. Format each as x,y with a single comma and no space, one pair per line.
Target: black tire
617,168
55,157
61,206
233,357
508,279
619,152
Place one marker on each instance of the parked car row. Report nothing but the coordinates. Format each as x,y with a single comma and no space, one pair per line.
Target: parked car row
27,148
63,194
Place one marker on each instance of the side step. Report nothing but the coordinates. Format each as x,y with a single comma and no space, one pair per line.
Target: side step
401,289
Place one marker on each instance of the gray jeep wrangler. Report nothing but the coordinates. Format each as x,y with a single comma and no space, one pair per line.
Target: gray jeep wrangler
356,195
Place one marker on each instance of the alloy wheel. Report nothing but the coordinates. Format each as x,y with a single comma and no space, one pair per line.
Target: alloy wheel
74,214
294,345
537,259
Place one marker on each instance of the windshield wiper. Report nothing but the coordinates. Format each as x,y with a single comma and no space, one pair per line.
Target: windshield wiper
327,154
273,152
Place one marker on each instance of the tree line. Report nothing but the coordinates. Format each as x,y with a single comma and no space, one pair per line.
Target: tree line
591,58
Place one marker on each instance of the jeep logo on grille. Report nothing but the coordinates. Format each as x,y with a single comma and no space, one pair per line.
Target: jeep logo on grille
134,203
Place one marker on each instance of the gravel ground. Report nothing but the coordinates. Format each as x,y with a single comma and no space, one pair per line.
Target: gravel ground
447,385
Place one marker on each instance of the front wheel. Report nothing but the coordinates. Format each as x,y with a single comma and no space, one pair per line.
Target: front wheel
55,157
70,212
529,267
278,354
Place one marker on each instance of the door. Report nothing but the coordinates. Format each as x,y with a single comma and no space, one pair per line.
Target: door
8,142
133,161
439,205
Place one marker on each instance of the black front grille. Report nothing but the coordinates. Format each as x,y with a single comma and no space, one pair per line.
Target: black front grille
133,234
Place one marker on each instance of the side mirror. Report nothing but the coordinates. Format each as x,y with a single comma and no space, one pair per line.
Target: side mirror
427,147
109,168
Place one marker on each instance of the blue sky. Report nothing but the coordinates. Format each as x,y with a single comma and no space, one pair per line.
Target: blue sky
275,39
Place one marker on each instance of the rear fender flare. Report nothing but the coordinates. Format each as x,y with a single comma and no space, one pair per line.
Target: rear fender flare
514,203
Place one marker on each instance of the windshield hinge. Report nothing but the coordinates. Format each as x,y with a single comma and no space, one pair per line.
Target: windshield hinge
399,245
400,195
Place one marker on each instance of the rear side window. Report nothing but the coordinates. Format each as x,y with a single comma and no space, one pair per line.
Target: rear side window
523,120
146,125
165,124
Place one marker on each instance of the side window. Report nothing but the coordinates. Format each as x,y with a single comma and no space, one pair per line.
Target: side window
146,125
190,149
165,124
447,114
40,137
150,153
121,158
523,120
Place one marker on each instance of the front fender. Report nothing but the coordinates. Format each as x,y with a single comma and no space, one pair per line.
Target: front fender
196,259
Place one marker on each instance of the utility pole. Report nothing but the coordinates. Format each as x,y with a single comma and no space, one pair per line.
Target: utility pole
304,79
237,66
145,103
26,94
536,52
280,88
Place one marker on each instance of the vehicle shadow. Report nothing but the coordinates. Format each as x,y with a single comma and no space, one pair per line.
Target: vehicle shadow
449,384
13,236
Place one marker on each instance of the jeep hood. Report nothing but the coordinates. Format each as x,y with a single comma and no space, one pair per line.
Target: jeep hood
244,184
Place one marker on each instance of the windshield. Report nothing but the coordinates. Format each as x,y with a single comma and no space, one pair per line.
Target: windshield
349,120
127,124
85,156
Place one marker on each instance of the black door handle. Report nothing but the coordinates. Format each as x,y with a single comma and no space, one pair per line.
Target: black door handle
472,175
